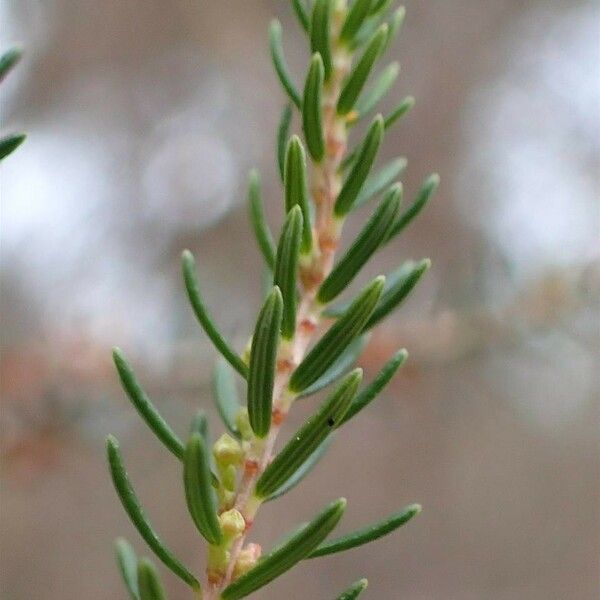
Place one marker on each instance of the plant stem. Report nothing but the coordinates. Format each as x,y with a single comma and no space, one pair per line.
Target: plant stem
326,185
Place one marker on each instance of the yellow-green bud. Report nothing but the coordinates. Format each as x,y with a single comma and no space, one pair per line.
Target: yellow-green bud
226,497
227,451
243,424
247,559
218,559
228,477
232,523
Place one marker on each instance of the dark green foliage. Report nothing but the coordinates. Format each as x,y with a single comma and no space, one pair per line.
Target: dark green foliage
374,233
9,143
319,33
133,508
286,269
359,75
367,534
331,346
193,290
263,358
281,68
393,296
258,220
339,367
283,131
354,590
8,60
144,406
294,351
287,555
296,188
311,109
309,437
356,15
148,581
360,168
371,391
303,470
198,489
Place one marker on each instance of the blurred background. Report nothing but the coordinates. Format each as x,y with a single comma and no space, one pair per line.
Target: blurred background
143,120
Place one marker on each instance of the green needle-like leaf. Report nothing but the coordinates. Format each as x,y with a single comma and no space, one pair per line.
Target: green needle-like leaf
360,73
391,279
379,181
259,222
303,470
281,68
311,110
340,367
226,396
396,294
367,102
427,190
263,359
371,23
354,19
302,14
283,131
398,112
368,534
354,591
127,561
320,33
308,438
360,168
198,489
149,583
286,269
286,556
193,291
372,236
371,391
395,25
8,60
379,6
199,425
338,337
144,406
10,143
133,508
296,190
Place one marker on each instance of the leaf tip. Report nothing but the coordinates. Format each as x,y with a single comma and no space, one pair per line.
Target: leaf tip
253,176
341,504
415,509
187,258
433,181
316,59
424,265
379,282
401,355
275,26
117,354
112,443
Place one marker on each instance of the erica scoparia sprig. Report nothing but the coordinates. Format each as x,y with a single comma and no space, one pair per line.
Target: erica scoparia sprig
301,341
